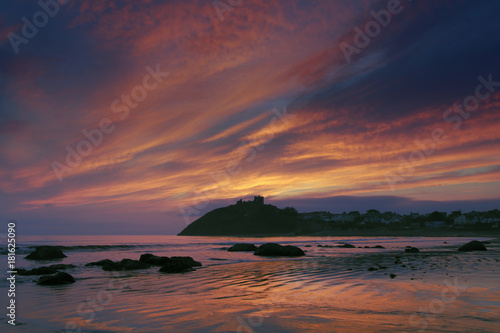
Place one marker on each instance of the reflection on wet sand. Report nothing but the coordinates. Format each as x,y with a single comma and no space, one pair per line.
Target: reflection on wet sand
311,294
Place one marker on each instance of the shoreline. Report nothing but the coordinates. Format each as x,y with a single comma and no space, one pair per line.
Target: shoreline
372,233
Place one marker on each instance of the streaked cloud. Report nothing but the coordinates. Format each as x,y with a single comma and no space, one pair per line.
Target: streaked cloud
349,122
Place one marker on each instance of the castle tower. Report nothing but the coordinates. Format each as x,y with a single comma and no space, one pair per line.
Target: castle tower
258,200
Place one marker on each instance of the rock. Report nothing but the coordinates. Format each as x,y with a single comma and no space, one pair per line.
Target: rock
100,263
272,249
57,279
410,249
125,265
179,265
371,269
347,246
242,247
472,246
154,260
46,253
308,245
129,264
393,276
378,247
62,266
113,266
176,267
187,260
44,270
367,247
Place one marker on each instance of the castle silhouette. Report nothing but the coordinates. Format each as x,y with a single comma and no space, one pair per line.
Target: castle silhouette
257,200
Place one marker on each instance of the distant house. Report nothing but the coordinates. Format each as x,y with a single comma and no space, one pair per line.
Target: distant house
470,218
337,217
322,216
347,218
473,219
384,221
395,219
460,220
372,219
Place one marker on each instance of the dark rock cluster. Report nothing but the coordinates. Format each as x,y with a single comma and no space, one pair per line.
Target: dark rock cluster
46,253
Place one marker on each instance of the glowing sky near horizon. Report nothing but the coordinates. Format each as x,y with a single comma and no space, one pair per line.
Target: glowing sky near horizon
352,128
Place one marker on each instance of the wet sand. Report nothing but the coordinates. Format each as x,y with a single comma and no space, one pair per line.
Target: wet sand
329,290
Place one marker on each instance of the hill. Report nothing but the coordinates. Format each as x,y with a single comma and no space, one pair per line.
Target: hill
245,218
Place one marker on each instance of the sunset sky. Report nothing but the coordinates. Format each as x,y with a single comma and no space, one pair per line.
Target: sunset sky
252,97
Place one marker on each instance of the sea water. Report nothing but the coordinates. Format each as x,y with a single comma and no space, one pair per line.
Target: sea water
329,290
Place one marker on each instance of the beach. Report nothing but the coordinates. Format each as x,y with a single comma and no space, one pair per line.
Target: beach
331,289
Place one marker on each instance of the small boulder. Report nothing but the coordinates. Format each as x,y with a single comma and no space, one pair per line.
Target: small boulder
44,270
472,246
57,279
393,276
272,249
347,246
154,260
62,266
179,265
242,247
46,253
100,263
113,266
129,264
378,247
411,249
187,260
125,265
